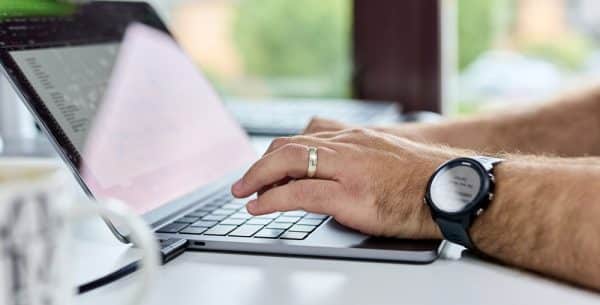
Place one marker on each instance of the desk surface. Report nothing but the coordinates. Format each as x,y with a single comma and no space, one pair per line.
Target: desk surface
219,278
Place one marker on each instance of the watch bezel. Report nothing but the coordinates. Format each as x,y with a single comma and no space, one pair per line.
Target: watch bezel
479,202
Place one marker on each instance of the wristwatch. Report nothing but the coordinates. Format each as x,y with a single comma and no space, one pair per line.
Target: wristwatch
457,192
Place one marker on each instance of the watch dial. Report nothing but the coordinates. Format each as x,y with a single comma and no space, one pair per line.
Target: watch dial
454,188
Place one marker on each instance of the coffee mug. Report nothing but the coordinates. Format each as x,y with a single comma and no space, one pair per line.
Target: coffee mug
38,205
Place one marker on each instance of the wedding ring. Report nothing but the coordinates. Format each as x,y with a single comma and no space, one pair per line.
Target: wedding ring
312,162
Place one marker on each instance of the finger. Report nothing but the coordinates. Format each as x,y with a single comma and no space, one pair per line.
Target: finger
341,134
352,135
306,140
311,195
319,124
276,184
325,134
290,161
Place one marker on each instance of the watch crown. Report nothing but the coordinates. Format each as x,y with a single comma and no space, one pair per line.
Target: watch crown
425,200
492,178
479,212
490,196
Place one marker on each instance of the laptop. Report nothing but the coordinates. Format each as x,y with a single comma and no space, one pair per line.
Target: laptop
134,119
284,117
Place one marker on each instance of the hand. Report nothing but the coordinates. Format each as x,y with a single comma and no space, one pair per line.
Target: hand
369,181
412,131
317,124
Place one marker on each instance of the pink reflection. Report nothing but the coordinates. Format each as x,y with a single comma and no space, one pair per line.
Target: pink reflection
161,131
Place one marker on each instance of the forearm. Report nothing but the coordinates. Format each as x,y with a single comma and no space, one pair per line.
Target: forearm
544,217
569,126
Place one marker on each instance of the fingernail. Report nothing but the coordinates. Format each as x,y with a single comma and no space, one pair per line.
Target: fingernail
251,205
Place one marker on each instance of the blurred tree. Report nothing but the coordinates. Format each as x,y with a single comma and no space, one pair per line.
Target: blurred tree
568,51
294,39
475,29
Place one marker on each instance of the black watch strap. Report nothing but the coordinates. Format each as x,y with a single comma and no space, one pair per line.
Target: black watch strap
455,232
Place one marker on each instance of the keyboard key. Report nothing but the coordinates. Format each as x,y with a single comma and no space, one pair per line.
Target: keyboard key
220,230
193,230
173,227
233,221
310,222
245,230
315,216
212,217
294,235
269,233
204,223
222,211
269,216
258,221
206,209
241,215
232,206
279,225
211,206
220,199
294,213
302,228
198,214
226,196
242,201
187,219
287,219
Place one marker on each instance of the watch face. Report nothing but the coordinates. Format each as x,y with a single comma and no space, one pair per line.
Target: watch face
455,187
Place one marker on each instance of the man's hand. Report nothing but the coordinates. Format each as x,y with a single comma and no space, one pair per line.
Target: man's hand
317,124
410,131
369,181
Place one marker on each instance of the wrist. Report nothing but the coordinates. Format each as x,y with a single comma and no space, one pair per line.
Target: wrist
428,227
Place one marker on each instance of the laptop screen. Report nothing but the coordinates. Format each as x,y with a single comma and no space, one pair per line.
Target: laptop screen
139,120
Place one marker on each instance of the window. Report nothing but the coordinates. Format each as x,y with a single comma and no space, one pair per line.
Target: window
523,51
266,48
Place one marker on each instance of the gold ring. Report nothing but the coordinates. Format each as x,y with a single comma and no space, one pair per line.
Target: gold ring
312,162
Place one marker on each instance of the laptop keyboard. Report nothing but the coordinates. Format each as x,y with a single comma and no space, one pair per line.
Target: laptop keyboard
227,216
290,116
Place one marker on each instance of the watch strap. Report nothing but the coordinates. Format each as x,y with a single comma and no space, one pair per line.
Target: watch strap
455,232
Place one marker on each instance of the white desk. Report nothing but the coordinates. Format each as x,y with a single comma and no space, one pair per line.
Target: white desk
217,278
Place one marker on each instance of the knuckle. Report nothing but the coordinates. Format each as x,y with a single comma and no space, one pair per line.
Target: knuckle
279,142
359,133
254,174
312,126
294,151
314,122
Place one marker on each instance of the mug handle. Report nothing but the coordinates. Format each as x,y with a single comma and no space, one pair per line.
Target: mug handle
141,236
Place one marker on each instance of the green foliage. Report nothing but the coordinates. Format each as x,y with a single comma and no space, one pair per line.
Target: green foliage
295,39
475,29
465,108
10,8
569,52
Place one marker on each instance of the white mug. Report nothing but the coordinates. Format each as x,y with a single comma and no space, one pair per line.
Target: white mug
37,207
